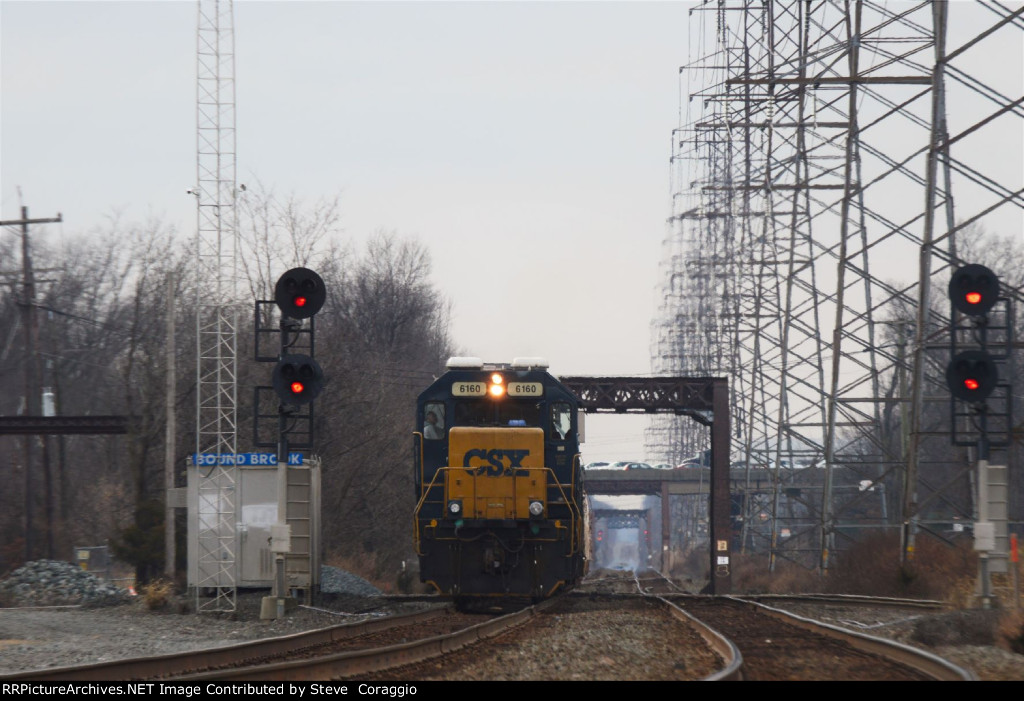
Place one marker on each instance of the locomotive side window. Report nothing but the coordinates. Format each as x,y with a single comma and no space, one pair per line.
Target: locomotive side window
433,425
561,420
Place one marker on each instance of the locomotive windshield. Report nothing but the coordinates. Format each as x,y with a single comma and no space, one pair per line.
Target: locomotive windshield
506,413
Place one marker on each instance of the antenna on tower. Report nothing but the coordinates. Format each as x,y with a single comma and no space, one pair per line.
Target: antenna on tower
216,308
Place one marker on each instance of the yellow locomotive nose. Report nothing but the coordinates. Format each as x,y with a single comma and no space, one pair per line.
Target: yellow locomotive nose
497,473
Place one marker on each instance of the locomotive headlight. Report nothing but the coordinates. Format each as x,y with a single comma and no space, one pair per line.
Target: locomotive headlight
455,508
536,509
497,387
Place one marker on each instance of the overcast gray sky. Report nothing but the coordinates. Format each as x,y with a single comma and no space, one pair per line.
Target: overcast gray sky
525,143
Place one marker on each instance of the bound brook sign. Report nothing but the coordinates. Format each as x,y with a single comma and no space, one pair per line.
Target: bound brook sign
242,459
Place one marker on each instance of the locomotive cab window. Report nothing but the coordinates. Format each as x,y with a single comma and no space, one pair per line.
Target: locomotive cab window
433,421
488,413
561,420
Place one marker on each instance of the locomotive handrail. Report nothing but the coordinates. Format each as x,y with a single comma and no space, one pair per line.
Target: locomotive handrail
575,515
577,460
417,434
571,503
419,506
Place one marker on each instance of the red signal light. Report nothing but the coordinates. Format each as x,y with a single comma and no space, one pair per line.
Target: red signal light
974,290
972,375
300,293
297,379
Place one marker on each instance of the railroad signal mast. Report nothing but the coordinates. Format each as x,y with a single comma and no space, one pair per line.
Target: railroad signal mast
982,405
296,380
972,375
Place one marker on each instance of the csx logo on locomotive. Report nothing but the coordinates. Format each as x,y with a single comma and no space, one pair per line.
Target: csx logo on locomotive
495,462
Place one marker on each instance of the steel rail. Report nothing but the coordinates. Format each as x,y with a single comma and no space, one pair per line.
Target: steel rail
732,658
726,649
369,661
851,599
372,659
174,664
920,660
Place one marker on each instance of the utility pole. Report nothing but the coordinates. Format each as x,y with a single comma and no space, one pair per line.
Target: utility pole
30,324
171,430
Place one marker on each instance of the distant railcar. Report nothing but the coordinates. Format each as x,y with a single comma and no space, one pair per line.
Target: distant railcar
499,515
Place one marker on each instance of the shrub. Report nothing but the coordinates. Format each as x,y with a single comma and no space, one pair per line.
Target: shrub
937,570
870,567
750,575
157,593
142,543
1010,633
693,564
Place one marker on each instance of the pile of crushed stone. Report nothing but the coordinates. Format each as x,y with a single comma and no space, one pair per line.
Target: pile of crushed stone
336,581
56,583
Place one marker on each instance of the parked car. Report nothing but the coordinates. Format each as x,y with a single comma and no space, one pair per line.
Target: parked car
596,466
637,466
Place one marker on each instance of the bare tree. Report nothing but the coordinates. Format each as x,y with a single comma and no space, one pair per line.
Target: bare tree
387,330
277,235
382,337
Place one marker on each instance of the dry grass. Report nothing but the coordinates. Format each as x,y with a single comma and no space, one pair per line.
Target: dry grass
157,594
871,567
751,575
692,564
1010,634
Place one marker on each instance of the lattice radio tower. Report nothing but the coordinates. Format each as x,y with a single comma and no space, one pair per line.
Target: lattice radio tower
813,214
216,307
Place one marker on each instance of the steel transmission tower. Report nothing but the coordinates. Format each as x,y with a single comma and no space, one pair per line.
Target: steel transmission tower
813,212
216,307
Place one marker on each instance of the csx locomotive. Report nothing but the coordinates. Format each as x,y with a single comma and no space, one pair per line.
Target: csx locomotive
499,513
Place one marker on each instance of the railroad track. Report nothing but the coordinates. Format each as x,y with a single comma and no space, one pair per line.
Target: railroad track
363,662
632,633
581,636
370,634
779,645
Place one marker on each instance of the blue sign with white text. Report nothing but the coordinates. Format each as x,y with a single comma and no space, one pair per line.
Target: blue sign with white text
243,459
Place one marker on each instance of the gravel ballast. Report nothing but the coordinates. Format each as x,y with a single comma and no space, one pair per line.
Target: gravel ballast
102,625
58,615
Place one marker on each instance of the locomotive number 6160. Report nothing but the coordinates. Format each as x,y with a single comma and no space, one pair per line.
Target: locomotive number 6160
499,515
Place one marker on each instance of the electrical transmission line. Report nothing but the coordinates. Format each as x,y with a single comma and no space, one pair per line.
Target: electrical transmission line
813,182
